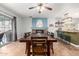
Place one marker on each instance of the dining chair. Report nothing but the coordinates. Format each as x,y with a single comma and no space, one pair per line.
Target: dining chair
51,45
27,44
1,35
39,47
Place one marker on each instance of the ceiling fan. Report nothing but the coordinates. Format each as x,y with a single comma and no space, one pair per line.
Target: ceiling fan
41,5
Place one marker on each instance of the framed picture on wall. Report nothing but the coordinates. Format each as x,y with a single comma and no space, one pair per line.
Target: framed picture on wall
39,23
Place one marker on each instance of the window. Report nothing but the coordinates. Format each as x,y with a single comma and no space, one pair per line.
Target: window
6,28
5,24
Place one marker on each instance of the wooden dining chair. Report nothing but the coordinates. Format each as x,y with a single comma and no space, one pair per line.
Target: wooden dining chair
39,47
51,44
1,36
27,45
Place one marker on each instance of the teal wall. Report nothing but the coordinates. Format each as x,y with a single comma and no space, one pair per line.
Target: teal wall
44,21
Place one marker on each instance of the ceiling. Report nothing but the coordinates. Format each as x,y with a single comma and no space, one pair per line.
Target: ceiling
59,9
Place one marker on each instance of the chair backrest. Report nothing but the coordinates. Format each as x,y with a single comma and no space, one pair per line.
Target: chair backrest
45,32
39,46
27,34
1,35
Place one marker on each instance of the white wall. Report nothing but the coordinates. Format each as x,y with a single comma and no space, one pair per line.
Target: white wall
19,27
52,29
51,21
27,24
23,25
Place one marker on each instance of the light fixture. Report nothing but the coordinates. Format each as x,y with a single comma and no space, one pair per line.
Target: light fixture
40,7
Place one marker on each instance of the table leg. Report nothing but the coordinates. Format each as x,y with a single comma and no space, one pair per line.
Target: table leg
28,54
26,47
48,49
52,49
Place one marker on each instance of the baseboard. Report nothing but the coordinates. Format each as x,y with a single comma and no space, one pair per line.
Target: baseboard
69,42
75,45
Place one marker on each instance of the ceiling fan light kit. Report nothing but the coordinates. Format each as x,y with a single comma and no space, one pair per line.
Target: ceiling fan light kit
41,7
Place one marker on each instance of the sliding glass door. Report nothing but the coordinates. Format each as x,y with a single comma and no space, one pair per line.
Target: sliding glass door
5,30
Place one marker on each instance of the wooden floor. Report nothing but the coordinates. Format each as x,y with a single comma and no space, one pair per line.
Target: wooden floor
18,49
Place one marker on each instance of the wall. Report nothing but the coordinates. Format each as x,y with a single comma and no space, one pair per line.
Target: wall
19,27
51,21
25,25
52,29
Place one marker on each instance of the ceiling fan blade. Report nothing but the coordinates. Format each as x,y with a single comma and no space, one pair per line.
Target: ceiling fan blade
31,7
48,8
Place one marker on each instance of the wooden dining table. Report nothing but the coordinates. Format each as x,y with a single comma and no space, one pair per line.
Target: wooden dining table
28,41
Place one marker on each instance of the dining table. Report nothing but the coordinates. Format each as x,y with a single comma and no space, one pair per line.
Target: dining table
28,41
